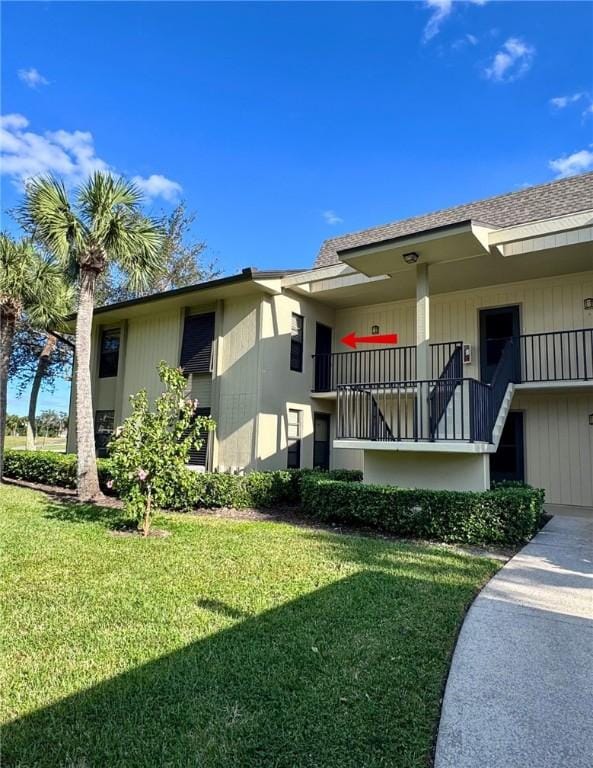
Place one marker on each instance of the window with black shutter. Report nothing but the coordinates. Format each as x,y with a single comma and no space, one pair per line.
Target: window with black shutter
109,354
296,343
294,439
198,457
196,347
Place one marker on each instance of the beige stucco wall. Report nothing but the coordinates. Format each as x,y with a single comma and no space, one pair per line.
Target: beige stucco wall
445,471
282,389
238,384
150,339
558,444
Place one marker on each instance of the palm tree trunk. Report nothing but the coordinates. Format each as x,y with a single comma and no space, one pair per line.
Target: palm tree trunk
87,477
7,328
42,363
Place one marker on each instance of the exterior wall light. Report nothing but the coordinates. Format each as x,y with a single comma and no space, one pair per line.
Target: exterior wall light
375,330
591,419
588,303
411,257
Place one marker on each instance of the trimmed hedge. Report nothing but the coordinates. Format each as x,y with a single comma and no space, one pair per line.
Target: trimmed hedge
190,490
507,515
48,468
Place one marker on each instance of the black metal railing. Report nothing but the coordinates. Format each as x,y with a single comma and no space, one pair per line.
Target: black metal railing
441,395
450,408
331,369
401,410
556,356
362,366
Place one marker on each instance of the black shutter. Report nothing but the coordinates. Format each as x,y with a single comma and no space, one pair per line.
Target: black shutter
199,457
196,348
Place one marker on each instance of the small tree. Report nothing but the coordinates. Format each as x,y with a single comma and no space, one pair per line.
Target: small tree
151,448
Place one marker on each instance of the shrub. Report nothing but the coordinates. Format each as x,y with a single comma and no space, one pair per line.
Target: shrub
502,516
185,489
149,453
48,468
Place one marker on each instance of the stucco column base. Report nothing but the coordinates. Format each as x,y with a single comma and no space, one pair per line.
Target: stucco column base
436,471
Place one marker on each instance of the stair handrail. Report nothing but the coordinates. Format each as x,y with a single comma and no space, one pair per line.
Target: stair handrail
505,373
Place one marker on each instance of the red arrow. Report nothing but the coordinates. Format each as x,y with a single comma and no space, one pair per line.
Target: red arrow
351,340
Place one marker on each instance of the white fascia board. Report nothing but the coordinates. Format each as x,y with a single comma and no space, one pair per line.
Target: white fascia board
440,446
540,228
314,275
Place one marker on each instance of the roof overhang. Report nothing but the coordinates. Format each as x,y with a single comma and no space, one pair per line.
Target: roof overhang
246,282
456,242
557,232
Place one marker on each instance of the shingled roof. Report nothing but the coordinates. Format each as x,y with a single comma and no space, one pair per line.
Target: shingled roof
556,198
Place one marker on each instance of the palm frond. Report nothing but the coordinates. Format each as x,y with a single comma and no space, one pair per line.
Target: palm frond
103,194
33,283
47,216
135,242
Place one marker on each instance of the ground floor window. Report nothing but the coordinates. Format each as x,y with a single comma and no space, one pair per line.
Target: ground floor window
294,438
199,458
321,429
104,423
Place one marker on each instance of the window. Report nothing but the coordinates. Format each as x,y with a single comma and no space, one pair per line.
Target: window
199,458
296,343
196,348
103,430
109,360
294,439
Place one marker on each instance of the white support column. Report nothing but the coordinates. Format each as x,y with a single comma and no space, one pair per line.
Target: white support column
422,348
422,322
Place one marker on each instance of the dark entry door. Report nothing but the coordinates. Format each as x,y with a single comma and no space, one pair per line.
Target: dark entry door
508,463
323,360
321,425
497,326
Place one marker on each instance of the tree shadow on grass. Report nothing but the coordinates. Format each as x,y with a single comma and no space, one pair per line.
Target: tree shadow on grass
73,511
347,676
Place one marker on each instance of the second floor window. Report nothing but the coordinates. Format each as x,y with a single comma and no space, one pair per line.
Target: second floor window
294,439
196,347
109,359
296,343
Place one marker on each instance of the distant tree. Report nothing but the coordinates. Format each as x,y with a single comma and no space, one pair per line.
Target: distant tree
38,358
15,425
31,288
51,423
101,226
182,261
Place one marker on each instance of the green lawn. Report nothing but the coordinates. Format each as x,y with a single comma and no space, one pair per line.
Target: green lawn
43,443
229,643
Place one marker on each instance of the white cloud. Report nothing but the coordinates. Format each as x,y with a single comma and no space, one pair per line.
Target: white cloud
440,10
332,217
560,102
589,110
70,155
32,77
511,62
158,186
569,165
464,41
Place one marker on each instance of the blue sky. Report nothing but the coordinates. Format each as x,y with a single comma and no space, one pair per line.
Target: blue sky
283,124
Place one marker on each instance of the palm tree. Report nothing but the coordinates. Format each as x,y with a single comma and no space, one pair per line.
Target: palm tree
30,287
101,226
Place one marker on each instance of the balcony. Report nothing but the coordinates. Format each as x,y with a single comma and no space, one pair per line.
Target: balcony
449,407
333,369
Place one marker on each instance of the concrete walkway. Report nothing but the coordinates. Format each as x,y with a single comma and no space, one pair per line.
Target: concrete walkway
520,689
